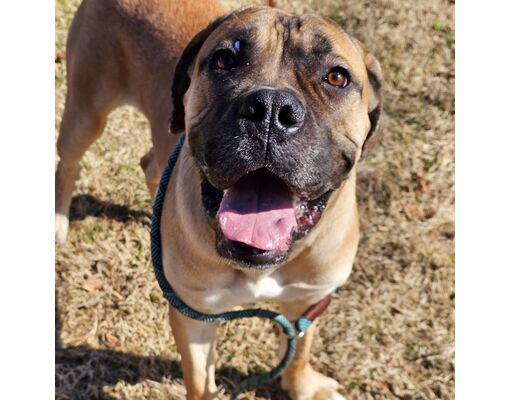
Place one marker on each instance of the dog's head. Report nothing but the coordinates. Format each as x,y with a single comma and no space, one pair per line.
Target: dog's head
277,109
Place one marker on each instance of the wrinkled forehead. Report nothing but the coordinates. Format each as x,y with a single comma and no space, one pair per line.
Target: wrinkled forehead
275,32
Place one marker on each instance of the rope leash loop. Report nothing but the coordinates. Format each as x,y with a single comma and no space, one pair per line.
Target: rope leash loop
292,331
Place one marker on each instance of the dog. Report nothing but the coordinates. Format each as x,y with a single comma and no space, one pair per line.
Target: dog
277,110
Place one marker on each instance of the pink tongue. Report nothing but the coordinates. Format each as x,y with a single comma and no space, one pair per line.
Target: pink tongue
258,211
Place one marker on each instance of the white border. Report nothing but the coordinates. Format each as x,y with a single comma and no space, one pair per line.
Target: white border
27,35
483,200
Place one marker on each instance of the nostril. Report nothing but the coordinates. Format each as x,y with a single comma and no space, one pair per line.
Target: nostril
255,111
287,117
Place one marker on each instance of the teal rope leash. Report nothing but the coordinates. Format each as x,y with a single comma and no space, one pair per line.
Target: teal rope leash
292,331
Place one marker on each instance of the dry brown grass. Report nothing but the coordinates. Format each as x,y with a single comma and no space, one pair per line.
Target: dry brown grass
389,332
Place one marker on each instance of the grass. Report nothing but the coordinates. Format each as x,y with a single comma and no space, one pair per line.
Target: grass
389,332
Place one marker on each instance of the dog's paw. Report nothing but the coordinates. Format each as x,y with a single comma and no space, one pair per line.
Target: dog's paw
312,385
61,228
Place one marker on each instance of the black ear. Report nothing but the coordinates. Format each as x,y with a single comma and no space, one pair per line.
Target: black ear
374,99
181,80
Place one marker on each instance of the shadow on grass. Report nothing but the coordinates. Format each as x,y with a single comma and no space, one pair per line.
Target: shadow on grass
81,372
85,205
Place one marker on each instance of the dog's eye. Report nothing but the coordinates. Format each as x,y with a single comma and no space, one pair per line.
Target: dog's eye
224,59
338,77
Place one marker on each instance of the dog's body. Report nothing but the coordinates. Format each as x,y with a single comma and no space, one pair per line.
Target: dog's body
126,52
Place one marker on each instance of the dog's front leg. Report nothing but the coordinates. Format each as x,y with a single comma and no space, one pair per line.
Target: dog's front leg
300,380
195,342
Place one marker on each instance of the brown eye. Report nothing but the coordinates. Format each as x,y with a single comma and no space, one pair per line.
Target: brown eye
337,78
225,60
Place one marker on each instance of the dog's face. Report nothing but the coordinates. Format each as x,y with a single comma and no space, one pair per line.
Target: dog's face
277,109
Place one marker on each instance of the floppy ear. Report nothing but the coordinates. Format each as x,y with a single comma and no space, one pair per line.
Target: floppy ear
181,80
374,99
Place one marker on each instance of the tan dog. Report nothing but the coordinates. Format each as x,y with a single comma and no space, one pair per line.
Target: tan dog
261,204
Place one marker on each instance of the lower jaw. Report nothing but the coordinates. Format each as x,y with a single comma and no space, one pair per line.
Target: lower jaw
243,256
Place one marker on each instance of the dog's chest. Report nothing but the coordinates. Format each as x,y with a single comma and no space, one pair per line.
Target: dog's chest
264,288
246,290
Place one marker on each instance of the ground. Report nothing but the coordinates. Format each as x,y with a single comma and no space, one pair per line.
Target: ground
389,332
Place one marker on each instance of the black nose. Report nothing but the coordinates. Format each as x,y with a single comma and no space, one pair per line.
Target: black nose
270,109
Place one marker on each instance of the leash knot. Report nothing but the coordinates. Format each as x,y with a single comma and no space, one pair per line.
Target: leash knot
302,324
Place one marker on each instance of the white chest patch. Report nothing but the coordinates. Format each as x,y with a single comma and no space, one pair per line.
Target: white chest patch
265,288
246,290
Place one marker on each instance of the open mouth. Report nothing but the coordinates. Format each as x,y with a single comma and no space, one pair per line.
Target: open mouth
259,218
